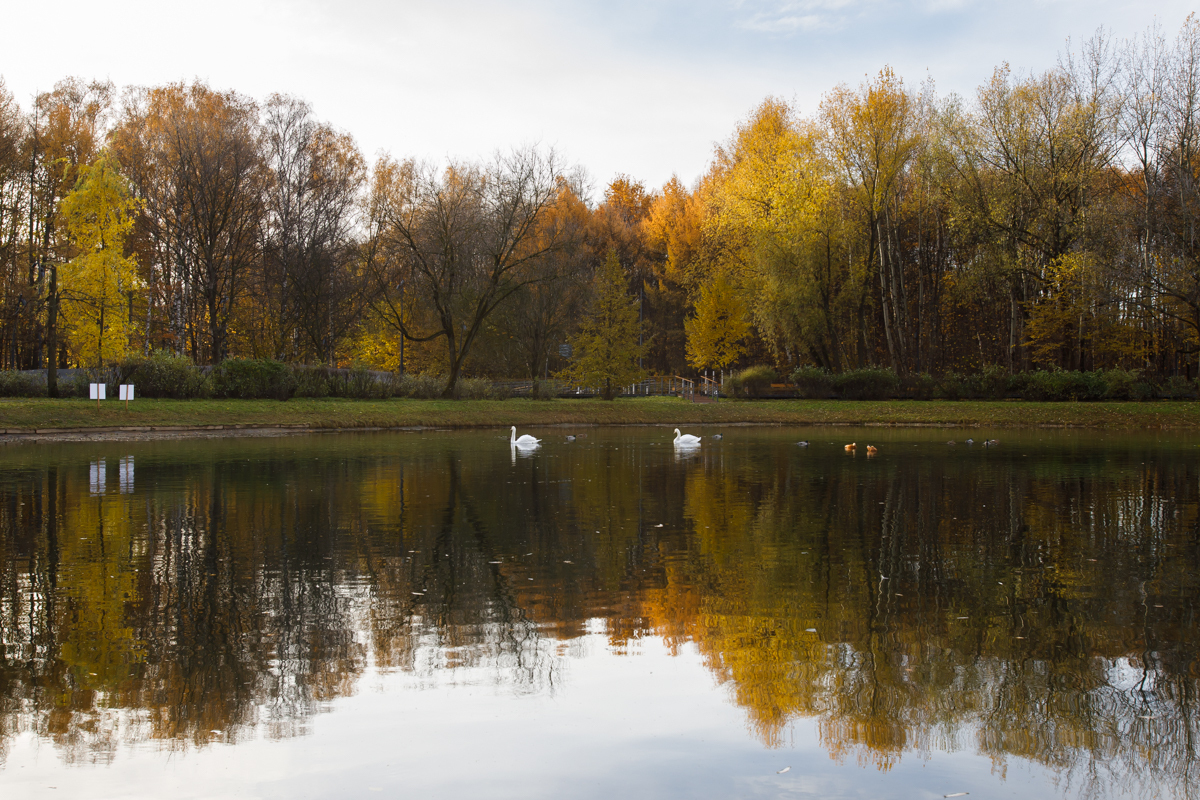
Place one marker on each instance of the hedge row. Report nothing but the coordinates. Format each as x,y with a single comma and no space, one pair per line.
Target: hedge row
167,375
992,383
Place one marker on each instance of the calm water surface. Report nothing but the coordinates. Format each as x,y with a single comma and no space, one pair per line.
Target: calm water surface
435,615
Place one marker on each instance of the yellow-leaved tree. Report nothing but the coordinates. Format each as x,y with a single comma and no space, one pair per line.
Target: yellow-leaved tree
99,283
716,335
775,228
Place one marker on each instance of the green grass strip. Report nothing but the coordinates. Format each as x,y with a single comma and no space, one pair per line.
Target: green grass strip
20,415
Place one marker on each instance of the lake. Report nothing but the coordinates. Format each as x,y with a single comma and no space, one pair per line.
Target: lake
435,614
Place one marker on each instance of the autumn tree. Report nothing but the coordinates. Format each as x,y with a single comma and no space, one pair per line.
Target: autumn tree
776,230
673,230
13,175
313,286
1035,155
606,348
68,134
538,317
463,240
872,135
194,157
716,334
99,282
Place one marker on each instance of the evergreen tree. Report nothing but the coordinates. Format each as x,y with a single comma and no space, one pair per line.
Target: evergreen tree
606,349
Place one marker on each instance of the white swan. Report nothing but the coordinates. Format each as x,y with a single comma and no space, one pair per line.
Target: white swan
524,441
686,439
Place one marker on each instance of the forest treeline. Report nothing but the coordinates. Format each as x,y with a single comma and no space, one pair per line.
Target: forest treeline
1048,222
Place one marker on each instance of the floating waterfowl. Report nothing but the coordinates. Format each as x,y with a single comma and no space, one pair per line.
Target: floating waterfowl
802,444
872,450
850,448
686,439
524,441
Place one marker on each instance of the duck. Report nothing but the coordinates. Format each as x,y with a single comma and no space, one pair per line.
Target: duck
686,439
802,444
717,437
570,438
523,441
991,442
970,441
850,448
872,450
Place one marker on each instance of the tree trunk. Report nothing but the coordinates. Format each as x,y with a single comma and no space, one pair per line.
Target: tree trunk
52,335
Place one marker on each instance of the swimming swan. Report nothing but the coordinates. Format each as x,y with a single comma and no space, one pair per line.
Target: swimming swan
686,439
524,441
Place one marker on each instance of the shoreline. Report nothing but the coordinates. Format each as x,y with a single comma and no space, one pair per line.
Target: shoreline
33,420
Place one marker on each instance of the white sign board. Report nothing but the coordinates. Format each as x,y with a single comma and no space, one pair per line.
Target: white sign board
96,391
126,391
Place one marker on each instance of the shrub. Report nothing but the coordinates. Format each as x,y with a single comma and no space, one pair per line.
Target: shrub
1119,384
918,386
163,374
312,381
1178,387
867,384
421,387
358,383
952,386
813,382
751,382
20,384
1060,385
990,383
479,389
252,379
76,386
1143,390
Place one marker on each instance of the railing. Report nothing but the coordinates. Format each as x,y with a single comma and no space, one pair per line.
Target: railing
662,386
657,386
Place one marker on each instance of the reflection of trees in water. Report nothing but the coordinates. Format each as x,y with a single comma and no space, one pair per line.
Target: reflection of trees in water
910,605
1037,608
245,595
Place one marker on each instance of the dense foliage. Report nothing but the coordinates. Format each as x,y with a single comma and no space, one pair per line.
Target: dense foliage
1043,226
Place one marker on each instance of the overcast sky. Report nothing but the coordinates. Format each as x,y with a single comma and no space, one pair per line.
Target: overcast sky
642,87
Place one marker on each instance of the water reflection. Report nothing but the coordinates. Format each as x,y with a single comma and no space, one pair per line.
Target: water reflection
1034,601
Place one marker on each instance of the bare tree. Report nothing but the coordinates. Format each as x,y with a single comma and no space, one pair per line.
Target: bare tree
544,311
465,239
312,279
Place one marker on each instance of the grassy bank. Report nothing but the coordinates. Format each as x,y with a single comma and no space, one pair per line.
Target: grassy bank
27,415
